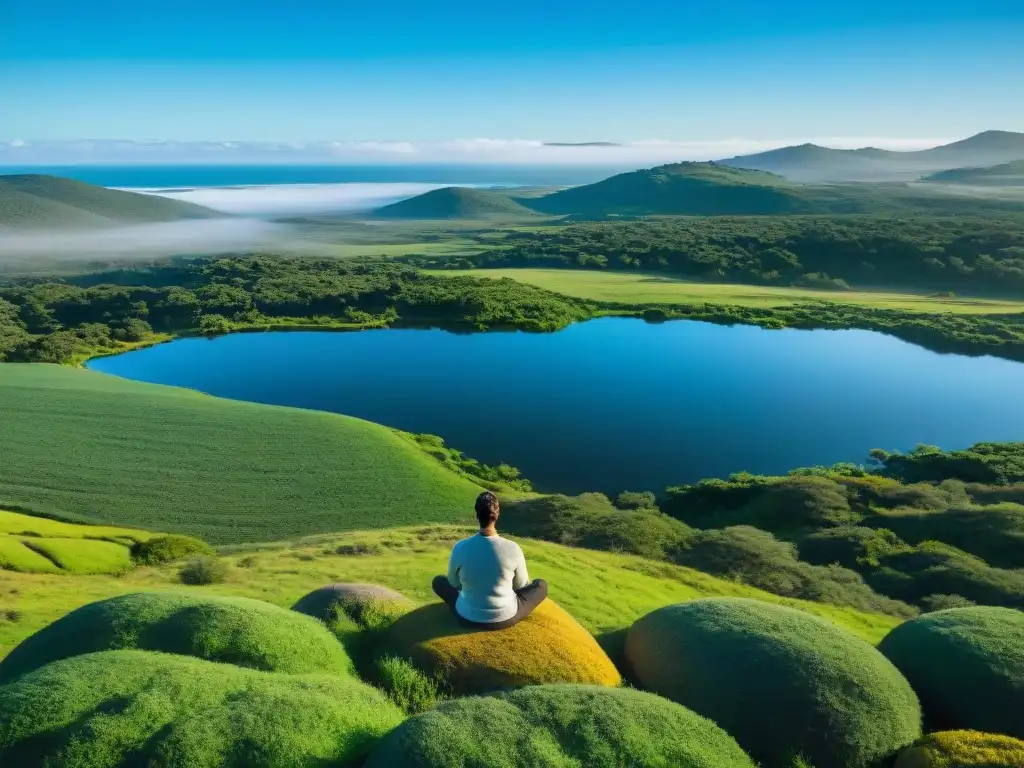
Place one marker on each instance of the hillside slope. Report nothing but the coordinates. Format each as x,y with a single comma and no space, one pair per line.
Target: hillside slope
606,592
810,162
34,201
711,189
456,203
107,450
1003,175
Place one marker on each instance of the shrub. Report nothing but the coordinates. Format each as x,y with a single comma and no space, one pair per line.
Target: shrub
120,708
166,549
547,647
636,500
967,665
963,749
407,686
783,682
933,603
560,726
590,520
849,546
203,570
233,630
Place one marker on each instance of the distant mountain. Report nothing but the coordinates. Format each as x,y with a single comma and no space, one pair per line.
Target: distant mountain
1003,175
38,202
456,203
710,189
810,162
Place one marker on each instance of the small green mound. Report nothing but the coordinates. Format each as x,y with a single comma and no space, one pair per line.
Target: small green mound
963,749
166,549
967,665
559,726
549,646
234,630
784,683
122,708
352,599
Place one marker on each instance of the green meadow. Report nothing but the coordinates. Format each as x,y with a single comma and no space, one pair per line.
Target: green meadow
604,591
646,288
90,447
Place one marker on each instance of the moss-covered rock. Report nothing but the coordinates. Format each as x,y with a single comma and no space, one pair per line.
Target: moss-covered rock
549,646
351,599
235,630
560,726
782,682
967,665
120,708
963,749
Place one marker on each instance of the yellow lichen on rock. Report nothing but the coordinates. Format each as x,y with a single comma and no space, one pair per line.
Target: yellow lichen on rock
549,646
963,749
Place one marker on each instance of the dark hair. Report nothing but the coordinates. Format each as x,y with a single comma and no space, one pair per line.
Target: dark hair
486,508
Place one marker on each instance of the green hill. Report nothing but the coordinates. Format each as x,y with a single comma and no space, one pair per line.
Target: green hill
106,450
456,203
35,201
1003,175
712,189
810,162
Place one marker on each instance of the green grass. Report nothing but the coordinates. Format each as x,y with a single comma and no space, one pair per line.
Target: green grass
560,726
40,545
121,708
641,288
84,555
230,630
605,592
90,447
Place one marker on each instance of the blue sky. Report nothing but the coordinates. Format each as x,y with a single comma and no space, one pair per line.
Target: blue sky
546,70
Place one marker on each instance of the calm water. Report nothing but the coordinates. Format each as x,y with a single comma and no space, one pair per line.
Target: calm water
618,404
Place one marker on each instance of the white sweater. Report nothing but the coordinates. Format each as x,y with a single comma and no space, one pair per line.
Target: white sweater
488,569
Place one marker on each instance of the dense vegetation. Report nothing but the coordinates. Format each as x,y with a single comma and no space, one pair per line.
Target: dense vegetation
818,693
955,253
1002,175
36,202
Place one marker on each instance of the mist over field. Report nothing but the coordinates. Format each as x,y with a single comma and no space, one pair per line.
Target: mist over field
293,199
141,240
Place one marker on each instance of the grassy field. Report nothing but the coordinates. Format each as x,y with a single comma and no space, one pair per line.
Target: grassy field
85,446
606,592
639,288
37,545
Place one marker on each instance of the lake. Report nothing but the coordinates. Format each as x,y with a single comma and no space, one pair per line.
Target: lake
615,404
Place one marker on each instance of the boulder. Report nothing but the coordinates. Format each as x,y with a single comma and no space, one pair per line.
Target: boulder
963,749
560,726
549,646
121,708
234,630
781,681
967,665
350,598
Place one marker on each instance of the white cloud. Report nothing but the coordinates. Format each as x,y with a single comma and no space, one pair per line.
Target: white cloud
468,150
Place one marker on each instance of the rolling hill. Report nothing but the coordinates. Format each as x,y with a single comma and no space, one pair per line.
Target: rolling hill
712,189
39,202
1003,175
456,203
100,449
810,162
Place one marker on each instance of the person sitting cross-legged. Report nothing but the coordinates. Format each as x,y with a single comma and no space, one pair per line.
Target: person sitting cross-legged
487,583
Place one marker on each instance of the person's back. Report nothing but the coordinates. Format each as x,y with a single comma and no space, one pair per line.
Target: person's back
487,584
490,570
